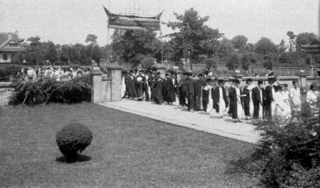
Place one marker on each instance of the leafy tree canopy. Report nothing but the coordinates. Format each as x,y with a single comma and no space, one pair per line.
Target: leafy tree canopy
265,46
192,35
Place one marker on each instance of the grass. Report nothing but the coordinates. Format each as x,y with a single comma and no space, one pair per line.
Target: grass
126,151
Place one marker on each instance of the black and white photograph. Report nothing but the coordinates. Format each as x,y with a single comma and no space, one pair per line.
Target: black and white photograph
159,93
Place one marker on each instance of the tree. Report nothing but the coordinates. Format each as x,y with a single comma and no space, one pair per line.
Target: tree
51,53
281,47
245,62
35,50
239,42
133,46
303,39
64,56
233,61
225,48
92,39
192,35
96,54
292,42
147,62
265,46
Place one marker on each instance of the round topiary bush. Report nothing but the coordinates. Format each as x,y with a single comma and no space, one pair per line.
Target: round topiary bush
73,138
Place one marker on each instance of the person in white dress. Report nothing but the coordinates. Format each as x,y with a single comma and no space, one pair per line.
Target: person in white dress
295,96
312,99
283,111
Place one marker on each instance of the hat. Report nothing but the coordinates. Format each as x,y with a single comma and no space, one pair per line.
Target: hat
236,81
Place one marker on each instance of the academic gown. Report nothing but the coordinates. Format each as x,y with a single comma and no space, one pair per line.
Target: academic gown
151,80
236,103
181,93
131,87
198,85
207,101
171,92
219,99
258,96
187,88
246,101
269,101
157,89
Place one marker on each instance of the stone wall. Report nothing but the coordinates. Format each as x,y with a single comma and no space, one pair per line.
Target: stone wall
6,90
106,87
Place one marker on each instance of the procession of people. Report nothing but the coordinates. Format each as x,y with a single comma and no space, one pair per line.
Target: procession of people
216,96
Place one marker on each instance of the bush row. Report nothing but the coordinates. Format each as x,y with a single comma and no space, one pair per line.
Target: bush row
9,72
49,90
287,156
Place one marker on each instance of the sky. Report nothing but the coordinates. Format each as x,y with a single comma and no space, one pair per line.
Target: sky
70,21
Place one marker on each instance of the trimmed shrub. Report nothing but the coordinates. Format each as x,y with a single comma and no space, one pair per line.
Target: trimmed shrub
73,138
49,90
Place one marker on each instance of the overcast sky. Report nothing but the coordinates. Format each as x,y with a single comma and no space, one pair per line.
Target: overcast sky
70,21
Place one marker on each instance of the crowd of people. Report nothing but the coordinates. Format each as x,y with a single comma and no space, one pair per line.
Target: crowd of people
202,92
32,74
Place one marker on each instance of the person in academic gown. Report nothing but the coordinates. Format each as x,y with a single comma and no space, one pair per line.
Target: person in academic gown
230,102
151,80
145,85
247,102
258,96
207,100
198,84
187,88
235,98
165,88
140,79
131,86
170,86
220,98
269,100
157,89
181,92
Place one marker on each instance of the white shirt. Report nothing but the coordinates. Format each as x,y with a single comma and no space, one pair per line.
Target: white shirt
295,96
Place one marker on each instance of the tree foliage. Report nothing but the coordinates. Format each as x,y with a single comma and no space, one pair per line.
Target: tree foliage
265,46
239,42
192,35
133,46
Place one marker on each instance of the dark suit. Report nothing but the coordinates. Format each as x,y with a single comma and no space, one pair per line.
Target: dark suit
256,99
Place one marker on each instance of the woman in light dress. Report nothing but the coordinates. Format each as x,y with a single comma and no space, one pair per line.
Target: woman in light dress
312,99
283,110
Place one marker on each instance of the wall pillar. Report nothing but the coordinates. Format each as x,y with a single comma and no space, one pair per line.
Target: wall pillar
116,84
96,79
303,79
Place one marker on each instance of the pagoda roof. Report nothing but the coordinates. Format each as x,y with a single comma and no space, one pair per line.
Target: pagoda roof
312,47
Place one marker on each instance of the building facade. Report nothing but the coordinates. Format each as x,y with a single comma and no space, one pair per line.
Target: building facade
10,44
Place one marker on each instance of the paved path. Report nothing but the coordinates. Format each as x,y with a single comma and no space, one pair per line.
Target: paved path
195,120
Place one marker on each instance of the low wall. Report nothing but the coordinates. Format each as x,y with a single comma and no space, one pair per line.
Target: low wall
6,90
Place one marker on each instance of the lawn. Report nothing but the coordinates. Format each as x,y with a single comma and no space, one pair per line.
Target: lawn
126,151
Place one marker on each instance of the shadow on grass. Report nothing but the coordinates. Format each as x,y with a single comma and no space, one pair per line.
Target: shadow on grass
77,159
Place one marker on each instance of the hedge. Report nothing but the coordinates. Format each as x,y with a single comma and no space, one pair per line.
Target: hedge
49,90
